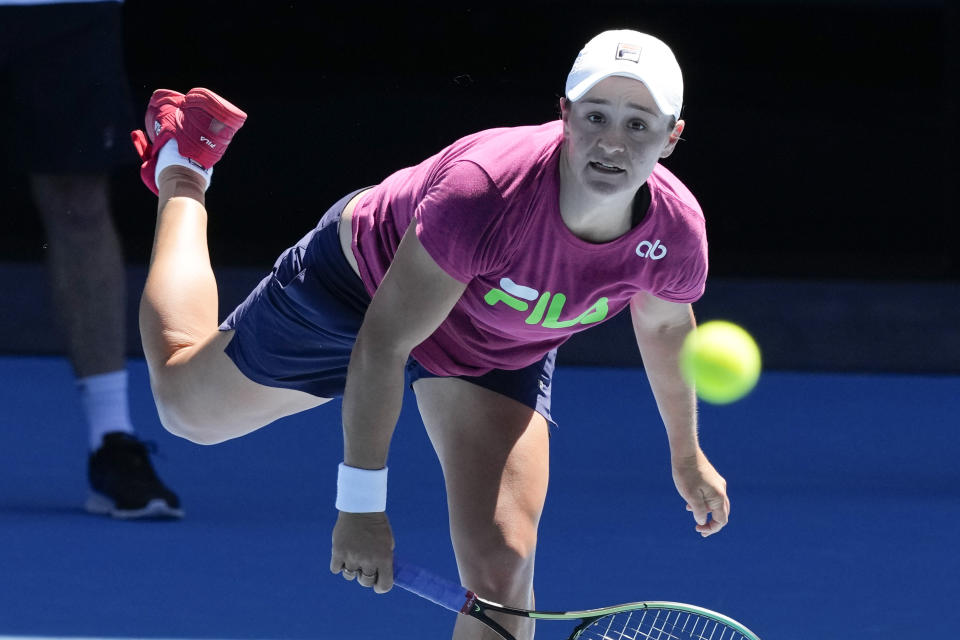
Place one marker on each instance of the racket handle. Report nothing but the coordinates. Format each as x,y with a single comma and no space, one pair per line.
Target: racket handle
437,590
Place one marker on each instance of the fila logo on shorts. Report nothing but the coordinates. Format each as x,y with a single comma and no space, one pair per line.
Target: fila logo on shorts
653,251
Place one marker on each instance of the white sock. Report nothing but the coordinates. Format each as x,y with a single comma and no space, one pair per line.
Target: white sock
169,155
104,400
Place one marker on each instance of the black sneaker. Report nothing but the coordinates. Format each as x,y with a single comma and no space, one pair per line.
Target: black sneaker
124,484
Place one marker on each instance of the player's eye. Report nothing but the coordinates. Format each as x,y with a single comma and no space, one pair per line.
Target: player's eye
637,125
595,118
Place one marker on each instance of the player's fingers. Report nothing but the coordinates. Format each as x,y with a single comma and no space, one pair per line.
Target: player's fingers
700,510
720,510
707,530
350,574
336,564
367,578
384,579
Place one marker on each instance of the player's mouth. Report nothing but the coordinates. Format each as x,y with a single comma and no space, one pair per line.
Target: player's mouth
603,167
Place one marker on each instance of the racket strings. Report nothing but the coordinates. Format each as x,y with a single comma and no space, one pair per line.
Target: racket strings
657,624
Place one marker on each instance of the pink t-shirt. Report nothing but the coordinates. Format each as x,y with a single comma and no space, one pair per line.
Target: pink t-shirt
487,211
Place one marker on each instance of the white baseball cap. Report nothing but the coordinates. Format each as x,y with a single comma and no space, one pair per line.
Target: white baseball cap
633,55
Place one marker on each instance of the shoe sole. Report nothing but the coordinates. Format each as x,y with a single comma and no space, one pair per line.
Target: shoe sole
213,105
217,107
99,504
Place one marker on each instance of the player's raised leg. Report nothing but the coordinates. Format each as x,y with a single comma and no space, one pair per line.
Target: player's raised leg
495,457
200,393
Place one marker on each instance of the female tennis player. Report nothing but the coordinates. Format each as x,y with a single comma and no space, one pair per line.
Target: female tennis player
462,275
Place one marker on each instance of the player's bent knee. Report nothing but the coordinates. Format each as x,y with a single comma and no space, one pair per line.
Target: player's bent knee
187,429
196,421
502,570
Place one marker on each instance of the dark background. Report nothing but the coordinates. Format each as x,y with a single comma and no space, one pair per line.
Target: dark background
817,140
820,139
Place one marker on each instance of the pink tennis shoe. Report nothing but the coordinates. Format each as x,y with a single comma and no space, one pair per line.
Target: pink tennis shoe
201,122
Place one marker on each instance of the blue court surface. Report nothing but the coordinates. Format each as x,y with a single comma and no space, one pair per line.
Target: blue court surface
845,493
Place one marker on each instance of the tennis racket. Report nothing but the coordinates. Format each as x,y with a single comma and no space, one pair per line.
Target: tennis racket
634,621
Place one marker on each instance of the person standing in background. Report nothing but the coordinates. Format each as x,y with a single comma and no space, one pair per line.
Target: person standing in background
68,108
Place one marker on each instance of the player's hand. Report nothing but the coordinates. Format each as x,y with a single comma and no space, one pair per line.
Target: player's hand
363,549
705,491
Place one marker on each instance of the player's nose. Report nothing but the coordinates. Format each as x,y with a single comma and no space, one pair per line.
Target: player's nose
611,144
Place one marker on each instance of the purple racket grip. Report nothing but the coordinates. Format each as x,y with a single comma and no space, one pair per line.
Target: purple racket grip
421,582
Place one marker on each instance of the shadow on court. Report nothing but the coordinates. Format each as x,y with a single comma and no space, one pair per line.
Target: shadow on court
844,490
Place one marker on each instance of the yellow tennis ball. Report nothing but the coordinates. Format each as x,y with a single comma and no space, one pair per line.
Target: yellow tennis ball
721,360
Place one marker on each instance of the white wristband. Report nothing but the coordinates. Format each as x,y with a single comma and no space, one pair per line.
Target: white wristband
361,490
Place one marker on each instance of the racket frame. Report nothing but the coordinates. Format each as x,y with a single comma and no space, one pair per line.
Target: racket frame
457,598
477,607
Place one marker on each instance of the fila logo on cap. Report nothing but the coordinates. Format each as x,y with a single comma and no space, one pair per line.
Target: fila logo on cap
653,251
628,52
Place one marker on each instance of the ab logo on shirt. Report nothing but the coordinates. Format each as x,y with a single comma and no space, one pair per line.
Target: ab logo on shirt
546,312
653,251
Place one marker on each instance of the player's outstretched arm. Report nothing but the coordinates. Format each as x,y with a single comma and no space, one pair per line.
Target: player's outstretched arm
660,328
416,295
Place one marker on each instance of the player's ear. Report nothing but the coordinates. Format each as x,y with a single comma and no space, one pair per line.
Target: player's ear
565,115
673,139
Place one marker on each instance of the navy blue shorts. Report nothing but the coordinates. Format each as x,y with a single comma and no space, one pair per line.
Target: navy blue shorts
297,328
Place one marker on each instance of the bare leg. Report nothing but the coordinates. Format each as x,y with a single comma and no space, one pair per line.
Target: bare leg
494,454
179,305
200,393
86,269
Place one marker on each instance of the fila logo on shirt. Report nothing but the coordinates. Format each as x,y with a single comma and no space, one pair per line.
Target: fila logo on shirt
548,308
653,251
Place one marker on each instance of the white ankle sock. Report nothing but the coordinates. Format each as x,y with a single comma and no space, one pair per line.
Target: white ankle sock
105,403
169,155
